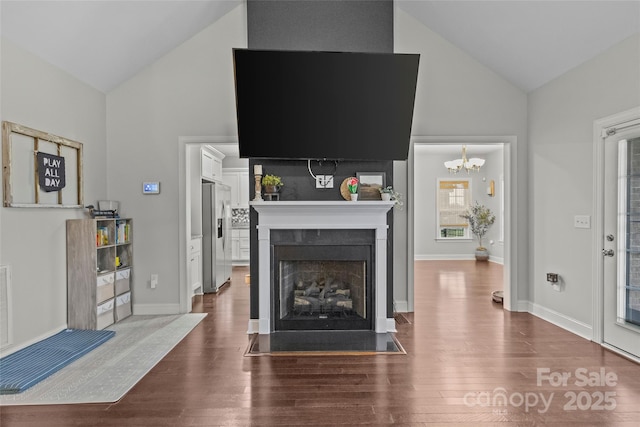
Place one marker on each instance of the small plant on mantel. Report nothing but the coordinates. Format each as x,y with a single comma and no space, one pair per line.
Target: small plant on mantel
272,180
272,183
389,194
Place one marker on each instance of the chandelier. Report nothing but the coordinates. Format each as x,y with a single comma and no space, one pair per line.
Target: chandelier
473,164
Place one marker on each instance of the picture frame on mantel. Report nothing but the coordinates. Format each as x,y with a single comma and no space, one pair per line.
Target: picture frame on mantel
369,185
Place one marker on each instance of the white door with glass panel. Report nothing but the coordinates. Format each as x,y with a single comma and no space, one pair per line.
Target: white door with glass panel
621,241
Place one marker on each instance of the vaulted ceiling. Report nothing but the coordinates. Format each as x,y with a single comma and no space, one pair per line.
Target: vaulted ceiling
104,43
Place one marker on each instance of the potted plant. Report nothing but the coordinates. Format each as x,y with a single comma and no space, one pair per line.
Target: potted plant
480,219
389,194
272,183
352,185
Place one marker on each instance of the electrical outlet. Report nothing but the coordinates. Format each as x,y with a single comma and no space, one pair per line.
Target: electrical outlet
552,277
582,221
154,281
324,181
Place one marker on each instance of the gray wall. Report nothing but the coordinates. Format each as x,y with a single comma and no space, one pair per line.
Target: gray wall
188,92
561,117
358,26
33,240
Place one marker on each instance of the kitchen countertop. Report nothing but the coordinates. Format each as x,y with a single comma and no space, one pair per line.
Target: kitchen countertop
240,226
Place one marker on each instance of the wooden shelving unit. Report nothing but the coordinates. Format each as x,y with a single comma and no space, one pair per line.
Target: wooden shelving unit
99,267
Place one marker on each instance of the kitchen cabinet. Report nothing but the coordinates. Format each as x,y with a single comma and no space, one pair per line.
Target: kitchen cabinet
211,164
238,180
240,246
195,265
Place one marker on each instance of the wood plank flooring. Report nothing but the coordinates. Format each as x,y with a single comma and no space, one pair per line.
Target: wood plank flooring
465,357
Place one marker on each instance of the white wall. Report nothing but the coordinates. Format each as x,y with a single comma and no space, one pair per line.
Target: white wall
188,92
32,240
458,96
426,181
561,116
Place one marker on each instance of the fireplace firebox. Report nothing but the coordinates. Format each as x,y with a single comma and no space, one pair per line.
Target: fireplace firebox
323,279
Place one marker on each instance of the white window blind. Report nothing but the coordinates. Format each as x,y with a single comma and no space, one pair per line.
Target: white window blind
454,198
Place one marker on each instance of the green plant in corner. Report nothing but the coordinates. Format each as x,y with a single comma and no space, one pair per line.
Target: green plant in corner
480,219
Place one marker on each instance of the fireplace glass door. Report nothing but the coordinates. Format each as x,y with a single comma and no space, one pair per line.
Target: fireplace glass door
324,290
323,287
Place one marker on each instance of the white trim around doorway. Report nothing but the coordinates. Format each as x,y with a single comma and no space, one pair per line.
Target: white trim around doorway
511,242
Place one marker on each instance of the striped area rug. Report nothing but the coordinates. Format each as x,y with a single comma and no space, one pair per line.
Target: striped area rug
32,364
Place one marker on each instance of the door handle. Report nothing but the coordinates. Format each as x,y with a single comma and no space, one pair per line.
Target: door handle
607,252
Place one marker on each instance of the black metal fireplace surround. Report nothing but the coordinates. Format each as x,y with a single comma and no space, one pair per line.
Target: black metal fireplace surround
322,279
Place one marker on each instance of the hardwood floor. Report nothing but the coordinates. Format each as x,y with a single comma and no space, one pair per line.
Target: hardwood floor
465,356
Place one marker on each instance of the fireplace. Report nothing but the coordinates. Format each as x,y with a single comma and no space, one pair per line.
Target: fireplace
322,265
322,279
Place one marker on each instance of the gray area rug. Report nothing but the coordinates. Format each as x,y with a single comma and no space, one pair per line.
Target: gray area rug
106,374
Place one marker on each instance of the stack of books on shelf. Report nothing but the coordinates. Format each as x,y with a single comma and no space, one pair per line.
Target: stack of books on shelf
123,229
102,236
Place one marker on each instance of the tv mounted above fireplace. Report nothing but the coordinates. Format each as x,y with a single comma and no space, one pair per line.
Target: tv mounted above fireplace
324,105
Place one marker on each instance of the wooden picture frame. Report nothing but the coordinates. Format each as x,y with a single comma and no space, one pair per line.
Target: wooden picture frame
369,185
21,147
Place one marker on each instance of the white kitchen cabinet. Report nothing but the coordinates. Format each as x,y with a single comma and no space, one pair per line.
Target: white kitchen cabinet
240,246
195,265
232,179
238,180
243,189
211,164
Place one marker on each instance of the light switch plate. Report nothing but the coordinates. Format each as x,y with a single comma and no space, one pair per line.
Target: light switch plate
582,221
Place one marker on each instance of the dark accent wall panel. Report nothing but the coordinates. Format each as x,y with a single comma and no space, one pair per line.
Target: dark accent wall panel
334,25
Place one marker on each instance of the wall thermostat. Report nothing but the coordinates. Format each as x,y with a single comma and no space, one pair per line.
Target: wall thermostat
150,188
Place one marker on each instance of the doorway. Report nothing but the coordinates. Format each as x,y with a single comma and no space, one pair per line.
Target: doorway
190,185
504,199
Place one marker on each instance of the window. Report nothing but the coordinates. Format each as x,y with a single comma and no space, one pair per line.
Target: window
454,197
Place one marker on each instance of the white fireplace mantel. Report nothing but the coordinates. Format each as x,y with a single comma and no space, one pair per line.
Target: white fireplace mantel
297,215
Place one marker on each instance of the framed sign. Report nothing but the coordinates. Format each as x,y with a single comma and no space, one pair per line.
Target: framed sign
40,169
369,185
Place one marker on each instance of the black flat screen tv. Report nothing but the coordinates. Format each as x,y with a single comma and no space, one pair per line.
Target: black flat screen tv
324,105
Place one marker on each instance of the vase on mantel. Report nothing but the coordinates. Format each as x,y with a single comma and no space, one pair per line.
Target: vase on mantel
354,197
271,189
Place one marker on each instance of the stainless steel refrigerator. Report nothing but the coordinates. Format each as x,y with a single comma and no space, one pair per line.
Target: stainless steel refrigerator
216,236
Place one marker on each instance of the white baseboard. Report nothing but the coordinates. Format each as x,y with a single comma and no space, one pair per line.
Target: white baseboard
455,257
155,309
522,306
445,257
253,327
572,325
401,306
391,324
13,348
